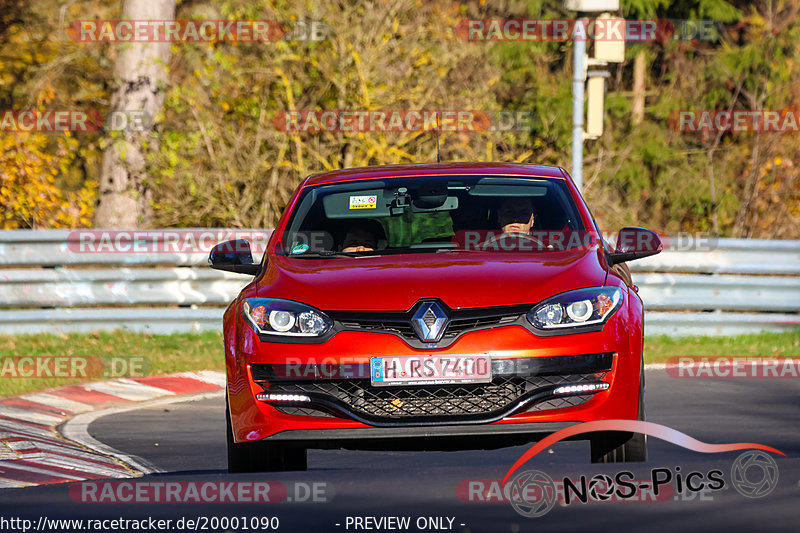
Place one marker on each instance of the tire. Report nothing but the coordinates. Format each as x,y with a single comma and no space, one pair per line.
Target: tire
619,446
260,456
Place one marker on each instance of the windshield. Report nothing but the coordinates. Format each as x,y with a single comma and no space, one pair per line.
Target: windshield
434,214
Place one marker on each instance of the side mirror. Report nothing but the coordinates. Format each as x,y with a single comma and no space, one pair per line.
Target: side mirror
635,243
233,256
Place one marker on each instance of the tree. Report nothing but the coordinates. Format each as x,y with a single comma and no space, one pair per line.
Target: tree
140,76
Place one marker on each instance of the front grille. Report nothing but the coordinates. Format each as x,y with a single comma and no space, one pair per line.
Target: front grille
403,329
555,403
459,326
399,323
359,397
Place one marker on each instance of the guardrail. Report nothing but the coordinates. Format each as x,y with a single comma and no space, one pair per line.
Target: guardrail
726,286
720,287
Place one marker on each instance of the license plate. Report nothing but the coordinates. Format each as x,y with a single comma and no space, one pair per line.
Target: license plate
430,370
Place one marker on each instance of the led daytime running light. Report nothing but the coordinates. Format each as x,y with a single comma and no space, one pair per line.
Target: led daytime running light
588,387
275,397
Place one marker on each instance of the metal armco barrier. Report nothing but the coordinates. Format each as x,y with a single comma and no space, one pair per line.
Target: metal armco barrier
48,283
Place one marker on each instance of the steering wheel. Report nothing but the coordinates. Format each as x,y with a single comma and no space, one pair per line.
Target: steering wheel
536,244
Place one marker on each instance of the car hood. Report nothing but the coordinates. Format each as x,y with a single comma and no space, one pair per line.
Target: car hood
460,280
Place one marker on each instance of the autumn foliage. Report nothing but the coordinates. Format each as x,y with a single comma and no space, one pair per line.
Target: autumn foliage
219,160
31,169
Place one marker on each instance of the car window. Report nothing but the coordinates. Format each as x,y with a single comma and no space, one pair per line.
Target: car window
434,214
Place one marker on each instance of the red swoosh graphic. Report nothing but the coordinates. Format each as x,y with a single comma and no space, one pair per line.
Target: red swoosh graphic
635,426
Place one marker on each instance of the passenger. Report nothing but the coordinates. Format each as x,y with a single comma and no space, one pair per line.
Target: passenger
359,240
362,236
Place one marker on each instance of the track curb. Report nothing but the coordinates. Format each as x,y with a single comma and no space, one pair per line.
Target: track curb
44,436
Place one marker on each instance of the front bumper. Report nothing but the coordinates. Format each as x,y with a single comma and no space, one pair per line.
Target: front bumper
486,437
334,418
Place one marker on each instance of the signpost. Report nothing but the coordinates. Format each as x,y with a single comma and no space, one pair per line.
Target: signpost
606,51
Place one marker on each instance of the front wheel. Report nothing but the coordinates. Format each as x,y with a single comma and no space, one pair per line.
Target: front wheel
261,456
619,446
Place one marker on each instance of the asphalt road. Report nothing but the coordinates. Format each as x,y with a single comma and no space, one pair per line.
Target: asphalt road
186,440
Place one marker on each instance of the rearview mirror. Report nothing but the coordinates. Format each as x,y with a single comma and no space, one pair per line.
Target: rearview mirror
635,243
233,256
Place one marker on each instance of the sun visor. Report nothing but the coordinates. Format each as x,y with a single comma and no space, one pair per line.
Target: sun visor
503,186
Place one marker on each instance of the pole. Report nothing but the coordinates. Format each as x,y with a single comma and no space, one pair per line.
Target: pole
577,106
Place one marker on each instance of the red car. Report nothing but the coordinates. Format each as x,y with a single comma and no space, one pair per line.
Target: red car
433,306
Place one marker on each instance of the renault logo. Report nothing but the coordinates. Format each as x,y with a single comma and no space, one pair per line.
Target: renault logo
429,321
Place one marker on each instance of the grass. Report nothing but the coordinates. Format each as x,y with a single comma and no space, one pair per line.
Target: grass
113,354
786,344
110,354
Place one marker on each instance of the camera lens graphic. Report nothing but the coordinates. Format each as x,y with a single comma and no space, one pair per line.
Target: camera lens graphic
601,487
532,493
754,474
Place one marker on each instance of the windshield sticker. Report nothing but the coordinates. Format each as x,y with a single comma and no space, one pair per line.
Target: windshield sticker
363,202
299,248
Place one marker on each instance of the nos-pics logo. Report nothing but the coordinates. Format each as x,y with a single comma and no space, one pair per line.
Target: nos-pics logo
533,493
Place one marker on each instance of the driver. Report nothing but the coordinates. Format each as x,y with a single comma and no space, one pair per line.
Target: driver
516,215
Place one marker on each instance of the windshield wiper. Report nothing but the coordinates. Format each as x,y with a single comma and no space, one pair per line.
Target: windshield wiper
332,253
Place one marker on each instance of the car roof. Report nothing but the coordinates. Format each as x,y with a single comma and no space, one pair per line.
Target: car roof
434,169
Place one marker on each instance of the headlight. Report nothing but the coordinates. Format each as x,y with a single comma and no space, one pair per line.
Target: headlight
582,307
285,317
